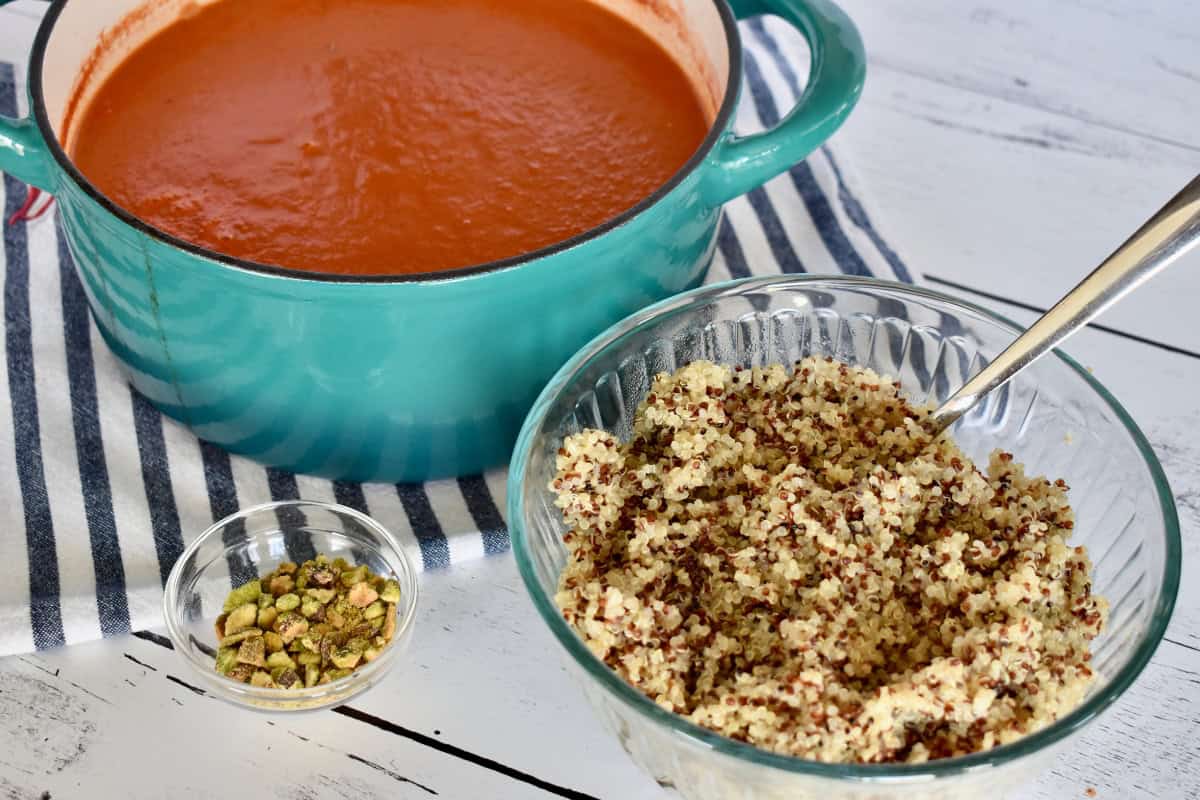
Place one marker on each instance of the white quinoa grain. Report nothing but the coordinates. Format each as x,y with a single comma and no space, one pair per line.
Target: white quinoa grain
790,559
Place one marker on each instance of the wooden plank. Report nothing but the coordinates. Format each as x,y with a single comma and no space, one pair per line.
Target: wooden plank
94,714
1015,198
961,193
1126,66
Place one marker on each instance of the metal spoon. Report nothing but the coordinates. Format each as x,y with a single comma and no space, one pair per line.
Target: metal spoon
1166,236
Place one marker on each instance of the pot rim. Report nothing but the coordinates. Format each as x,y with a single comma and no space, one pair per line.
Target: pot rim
45,30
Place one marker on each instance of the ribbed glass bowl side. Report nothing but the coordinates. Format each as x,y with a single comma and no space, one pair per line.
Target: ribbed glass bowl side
1053,417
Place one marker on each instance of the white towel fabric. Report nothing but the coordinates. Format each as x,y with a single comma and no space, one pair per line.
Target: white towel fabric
99,493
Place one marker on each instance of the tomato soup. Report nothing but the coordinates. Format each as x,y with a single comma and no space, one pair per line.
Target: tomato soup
387,136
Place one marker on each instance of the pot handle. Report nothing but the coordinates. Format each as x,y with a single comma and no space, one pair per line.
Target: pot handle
23,154
740,163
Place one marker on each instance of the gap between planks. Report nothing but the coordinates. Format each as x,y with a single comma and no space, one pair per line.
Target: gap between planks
1170,348
399,730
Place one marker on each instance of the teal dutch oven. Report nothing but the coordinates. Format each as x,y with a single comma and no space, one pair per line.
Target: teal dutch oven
400,378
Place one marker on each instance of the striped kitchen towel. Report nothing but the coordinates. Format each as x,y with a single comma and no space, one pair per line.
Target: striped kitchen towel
99,493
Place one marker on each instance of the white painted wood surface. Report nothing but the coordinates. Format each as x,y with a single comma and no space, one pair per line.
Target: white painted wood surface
1005,147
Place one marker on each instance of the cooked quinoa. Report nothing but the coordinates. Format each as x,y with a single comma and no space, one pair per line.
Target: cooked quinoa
792,560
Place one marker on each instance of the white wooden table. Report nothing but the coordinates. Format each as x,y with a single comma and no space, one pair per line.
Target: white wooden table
1006,147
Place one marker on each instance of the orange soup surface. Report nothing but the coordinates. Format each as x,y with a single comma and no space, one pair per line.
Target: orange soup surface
388,136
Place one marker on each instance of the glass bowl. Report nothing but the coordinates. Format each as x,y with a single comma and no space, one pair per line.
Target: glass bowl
1054,417
251,543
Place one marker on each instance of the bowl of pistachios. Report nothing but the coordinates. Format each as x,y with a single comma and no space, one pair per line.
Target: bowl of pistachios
291,606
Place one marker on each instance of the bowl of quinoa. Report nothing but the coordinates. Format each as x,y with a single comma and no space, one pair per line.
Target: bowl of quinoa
773,581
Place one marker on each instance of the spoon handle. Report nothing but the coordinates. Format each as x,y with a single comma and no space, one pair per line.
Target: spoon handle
1166,236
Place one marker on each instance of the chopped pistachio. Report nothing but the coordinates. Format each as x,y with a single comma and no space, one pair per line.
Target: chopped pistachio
334,615
246,593
309,606
242,617
287,602
281,585
322,596
253,651
353,576
390,593
389,625
350,612
262,679
280,659
290,625
227,659
329,644
362,595
334,675
306,625
241,636
345,658
287,679
321,576
267,616
241,672
359,631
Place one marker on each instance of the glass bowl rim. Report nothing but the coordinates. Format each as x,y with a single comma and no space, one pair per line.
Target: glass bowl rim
311,698
614,685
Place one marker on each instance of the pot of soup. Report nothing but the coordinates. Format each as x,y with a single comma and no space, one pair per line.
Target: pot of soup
355,238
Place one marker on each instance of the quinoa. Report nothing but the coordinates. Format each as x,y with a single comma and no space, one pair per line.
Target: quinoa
791,559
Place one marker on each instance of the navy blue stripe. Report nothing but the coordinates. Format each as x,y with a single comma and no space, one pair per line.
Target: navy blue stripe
854,209
858,215
350,494
222,500
283,486
823,217
435,550
45,613
156,476
731,249
111,602
218,479
484,512
781,247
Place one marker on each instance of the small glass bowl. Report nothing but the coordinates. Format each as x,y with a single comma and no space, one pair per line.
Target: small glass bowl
251,543
1054,417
